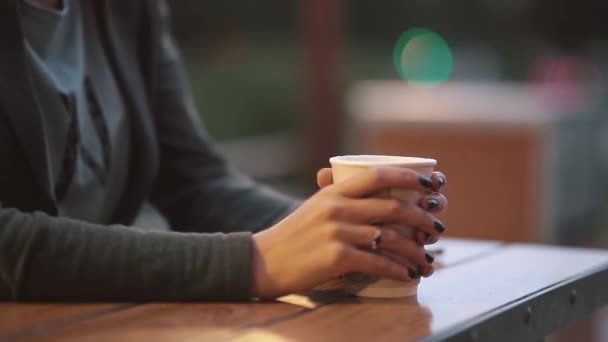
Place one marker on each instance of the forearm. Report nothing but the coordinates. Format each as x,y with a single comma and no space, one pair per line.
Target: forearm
46,258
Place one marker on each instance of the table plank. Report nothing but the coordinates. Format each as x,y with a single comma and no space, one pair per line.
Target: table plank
454,251
217,320
19,320
452,297
179,321
478,278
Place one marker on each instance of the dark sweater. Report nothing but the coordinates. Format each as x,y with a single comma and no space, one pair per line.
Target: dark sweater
212,208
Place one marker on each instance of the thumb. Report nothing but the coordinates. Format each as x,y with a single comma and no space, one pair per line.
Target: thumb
324,177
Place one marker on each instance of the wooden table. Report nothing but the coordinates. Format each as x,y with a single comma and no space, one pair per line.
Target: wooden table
482,291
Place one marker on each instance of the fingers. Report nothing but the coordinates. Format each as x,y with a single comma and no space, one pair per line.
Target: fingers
324,177
434,202
376,179
355,235
406,251
414,216
425,238
378,265
391,210
375,209
439,181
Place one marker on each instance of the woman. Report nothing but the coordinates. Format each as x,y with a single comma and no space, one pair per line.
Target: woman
95,118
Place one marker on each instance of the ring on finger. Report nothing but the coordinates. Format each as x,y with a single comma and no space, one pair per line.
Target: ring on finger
377,240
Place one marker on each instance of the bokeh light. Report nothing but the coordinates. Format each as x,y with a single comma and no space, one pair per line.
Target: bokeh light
422,57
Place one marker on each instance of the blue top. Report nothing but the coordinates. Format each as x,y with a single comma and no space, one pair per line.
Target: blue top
66,47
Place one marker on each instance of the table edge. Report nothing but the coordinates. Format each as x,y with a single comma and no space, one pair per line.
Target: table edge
527,318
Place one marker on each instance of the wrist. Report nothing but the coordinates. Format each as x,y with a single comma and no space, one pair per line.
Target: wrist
258,268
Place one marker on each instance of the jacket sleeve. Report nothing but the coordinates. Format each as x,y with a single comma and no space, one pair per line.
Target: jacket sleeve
196,189
49,258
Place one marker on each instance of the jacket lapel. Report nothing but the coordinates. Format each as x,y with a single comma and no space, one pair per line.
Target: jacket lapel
25,111
119,29
22,106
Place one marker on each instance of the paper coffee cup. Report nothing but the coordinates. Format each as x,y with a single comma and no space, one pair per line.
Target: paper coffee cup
344,167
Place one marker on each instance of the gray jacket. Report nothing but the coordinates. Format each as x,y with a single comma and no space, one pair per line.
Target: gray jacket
45,257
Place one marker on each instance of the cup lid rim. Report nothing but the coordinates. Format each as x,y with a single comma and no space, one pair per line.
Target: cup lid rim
381,160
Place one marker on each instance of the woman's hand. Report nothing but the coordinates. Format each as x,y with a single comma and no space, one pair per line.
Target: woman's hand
324,237
433,201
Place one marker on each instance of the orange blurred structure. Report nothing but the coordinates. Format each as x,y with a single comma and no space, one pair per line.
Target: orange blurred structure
517,169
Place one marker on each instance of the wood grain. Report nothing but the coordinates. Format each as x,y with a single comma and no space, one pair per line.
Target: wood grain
179,321
449,298
20,320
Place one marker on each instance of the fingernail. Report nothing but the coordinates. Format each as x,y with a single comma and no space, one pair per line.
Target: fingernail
413,274
441,181
439,226
429,257
427,183
428,238
425,274
432,203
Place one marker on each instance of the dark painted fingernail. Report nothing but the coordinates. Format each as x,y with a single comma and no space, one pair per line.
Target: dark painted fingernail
441,181
413,274
432,203
427,183
428,238
429,258
439,226
425,274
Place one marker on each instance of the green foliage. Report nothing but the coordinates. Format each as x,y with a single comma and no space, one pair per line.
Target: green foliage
253,93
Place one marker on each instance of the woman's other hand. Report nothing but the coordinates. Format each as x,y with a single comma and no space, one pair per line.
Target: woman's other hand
327,235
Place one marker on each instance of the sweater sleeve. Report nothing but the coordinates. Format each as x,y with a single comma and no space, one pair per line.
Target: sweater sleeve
48,258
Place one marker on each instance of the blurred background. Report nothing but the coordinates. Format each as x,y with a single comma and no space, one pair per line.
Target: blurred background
282,86
518,123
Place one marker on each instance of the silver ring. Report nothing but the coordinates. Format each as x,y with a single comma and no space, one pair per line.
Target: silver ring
377,240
